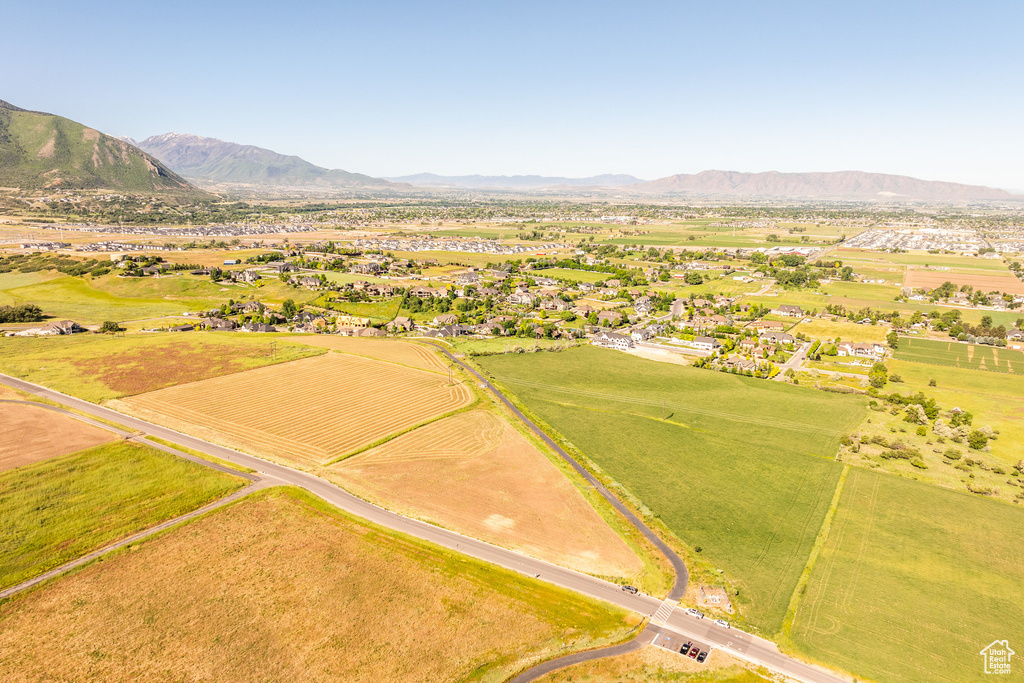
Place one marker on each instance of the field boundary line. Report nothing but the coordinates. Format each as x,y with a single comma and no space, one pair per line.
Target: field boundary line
812,559
402,432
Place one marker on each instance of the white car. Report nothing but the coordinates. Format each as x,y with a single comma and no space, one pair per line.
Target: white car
695,613
723,623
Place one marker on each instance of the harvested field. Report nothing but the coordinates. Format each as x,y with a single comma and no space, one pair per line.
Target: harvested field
930,279
308,411
30,433
101,367
280,587
476,474
403,353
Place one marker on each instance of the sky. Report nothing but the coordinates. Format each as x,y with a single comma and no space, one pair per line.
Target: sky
931,89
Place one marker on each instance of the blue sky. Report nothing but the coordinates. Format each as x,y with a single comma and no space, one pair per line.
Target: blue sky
929,89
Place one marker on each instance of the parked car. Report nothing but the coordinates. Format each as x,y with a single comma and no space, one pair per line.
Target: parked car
695,613
702,656
685,649
723,623
694,652
631,589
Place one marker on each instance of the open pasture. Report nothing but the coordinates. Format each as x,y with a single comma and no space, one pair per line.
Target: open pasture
309,411
30,433
280,586
741,468
476,474
828,330
985,281
100,367
60,509
393,351
961,355
921,577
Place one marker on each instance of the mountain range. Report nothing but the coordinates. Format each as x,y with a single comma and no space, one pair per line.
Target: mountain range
837,185
44,151
213,160
515,182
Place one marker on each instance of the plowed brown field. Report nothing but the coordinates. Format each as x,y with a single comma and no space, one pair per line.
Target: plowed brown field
403,353
476,474
308,411
930,279
30,433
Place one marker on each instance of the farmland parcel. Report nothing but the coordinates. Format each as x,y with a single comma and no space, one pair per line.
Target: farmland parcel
58,510
958,355
740,467
474,473
281,587
30,433
309,411
921,577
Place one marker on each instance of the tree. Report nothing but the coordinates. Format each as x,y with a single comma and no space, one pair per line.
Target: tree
893,340
977,440
110,326
694,278
288,308
878,375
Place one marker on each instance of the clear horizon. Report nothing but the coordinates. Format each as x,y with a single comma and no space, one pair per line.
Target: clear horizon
928,90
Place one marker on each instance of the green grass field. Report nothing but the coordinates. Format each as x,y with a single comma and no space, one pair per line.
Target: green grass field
376,311
573,274
741,468
60,509
913,581
97,367
957,355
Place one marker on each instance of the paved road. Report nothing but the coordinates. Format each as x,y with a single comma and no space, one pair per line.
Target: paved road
742,645
795,362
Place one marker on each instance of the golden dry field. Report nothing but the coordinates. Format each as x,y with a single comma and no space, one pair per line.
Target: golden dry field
653,664
280,587
401,352
475,474
306,412
987,282
30,433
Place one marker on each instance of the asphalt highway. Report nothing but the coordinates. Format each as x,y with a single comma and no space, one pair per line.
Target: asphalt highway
733,641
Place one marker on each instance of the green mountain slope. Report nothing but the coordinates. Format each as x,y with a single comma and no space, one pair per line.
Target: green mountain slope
214,160
44,151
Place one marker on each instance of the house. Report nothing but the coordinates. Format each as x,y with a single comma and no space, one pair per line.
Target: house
779,338
310,282
399,324
250,275
181,328
705,343
1015,335
230,262
546,281
446,319
740,364
429,292
366,268
585,287
521,297
489,328
218,324
258,327
51,329
368,332
765,326
351,321
643,307
872,350
609,318
380,290
789,311
612,340
251,307
468,279
640,335
554,305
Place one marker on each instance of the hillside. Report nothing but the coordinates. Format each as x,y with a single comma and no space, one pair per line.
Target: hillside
213,160
515,182
44,151
839,185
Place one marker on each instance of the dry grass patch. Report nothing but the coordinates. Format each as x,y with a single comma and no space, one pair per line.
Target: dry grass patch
653,664
278,587
930,279
404,353
476,474
30,433
308,411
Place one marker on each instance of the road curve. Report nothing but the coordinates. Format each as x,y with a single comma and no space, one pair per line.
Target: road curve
753,649
682,574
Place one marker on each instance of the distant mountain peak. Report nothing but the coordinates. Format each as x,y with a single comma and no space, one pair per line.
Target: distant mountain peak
516,182
214,160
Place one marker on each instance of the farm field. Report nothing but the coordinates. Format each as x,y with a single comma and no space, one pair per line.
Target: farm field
740,467
280,586
985,281
960,355
921,259
376,311
60,509
572,274
86,302
476,474
99,367
393,351
995,399
30,433
829,330
305,412
922,589
653,664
